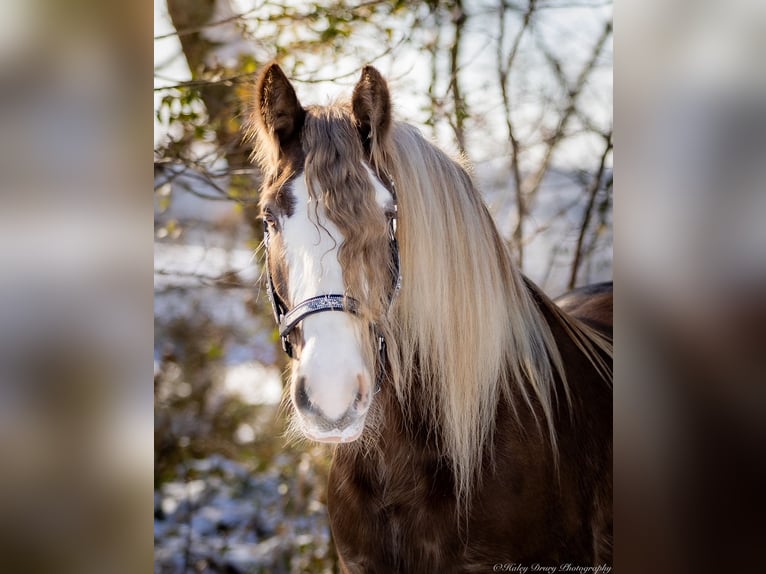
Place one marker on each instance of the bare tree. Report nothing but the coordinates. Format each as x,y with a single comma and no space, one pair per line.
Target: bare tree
213,102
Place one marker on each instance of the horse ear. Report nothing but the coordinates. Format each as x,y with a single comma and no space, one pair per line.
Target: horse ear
371,105
279,114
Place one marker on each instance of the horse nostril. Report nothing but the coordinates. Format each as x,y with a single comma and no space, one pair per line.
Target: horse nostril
302,400
362,397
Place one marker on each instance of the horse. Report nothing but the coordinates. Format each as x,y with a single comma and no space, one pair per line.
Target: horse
471,415
590,303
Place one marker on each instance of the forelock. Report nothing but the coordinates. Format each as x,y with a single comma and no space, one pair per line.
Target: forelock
337,176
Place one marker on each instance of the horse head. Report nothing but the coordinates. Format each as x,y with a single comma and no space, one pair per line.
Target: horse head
332,259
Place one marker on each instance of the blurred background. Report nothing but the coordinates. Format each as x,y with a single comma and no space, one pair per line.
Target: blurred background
521,89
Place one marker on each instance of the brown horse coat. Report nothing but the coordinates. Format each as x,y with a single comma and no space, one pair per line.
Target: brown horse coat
490,441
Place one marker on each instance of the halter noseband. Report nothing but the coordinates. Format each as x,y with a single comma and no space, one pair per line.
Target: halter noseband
288,319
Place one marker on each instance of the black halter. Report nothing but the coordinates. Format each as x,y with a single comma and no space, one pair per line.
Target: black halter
288,319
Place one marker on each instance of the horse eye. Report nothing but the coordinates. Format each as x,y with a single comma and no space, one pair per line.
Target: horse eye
268,217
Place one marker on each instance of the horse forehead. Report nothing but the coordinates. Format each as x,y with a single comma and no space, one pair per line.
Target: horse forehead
303,203
309,225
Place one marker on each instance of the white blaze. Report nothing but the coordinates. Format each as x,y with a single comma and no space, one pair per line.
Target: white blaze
331,358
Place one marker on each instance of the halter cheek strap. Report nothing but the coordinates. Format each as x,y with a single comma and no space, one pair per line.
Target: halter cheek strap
288,319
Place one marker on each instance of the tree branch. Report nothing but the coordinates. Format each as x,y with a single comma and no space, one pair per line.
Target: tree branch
200,28
573,94
592,192
503,72
459,18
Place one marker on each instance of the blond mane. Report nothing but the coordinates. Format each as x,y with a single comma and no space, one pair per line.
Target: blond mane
465,324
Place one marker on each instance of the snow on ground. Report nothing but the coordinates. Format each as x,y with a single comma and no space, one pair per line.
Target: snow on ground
234,520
